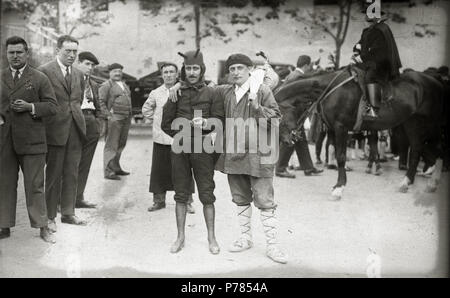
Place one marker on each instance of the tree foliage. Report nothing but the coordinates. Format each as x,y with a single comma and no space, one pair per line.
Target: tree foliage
208,12
46,13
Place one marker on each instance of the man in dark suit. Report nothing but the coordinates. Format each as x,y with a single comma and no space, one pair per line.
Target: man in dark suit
26,97
65,132
304,66
92,114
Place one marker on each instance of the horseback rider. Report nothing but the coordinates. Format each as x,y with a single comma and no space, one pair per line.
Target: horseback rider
377,53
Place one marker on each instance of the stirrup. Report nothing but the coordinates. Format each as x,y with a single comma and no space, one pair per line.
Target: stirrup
276,255
371,113
240,244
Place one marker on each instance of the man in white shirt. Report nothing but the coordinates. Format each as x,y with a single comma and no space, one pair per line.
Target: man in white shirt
161,173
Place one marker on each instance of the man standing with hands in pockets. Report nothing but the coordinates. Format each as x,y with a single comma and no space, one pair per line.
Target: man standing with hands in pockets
65,133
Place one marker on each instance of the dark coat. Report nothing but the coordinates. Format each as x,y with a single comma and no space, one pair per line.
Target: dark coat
379,51
69,101
199,98
100,112
293,76
28,133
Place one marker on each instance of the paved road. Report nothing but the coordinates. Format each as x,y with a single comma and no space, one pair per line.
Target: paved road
402,234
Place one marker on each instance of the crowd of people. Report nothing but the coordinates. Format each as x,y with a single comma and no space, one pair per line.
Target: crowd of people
50,123
50,120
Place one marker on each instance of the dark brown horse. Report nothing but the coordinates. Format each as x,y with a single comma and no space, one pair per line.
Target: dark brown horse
416,103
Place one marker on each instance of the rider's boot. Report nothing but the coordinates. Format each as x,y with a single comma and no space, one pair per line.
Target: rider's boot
374,93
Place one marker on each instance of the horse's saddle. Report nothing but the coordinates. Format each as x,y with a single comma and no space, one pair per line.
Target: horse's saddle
386,88
363,107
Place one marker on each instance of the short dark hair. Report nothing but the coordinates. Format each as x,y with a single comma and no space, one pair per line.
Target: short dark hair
303,60
64,38
13,40
165,64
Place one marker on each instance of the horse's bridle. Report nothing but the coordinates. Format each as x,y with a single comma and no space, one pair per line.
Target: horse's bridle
295,133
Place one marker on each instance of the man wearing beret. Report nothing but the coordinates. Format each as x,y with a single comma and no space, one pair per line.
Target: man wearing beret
115,96
196,107
65,132
91,111
250,172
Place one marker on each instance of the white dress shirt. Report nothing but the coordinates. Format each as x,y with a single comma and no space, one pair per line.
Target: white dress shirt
63,67
240,91
300,70
13,71
86,105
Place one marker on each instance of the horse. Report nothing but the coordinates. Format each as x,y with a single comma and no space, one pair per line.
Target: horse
415,103
374,156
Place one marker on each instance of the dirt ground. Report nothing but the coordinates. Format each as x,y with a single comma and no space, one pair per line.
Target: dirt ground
373,230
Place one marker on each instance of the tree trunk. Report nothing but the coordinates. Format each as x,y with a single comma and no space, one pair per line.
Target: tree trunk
337,60
197,23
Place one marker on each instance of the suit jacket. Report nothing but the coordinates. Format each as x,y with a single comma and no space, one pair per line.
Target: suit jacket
69,101
28,132
293,76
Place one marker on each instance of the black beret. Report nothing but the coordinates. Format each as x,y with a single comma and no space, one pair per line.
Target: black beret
238,59
87,56
114,66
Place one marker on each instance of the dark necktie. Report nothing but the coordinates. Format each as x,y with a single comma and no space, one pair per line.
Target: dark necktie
68,77
16,77
87,89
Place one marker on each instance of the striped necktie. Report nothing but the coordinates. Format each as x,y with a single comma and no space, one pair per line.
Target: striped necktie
68,77
16,76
